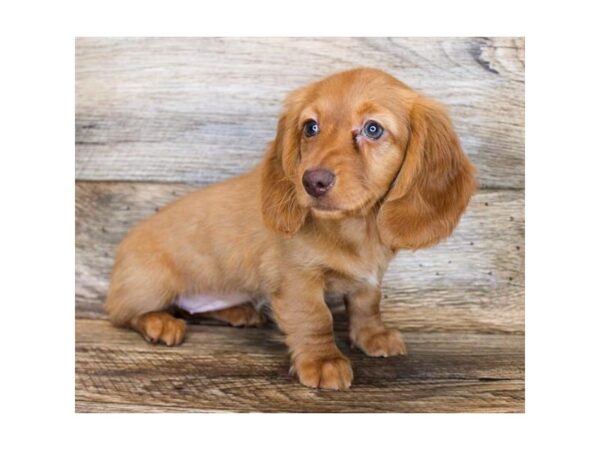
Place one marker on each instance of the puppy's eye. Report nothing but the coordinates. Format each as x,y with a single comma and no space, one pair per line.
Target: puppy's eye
372,130
311,128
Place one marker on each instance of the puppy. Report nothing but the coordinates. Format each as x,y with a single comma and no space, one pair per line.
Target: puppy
361,167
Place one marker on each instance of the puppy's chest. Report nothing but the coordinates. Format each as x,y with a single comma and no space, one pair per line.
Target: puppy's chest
362,260
349,270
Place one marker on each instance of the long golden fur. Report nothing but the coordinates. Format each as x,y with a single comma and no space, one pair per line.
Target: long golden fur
263,235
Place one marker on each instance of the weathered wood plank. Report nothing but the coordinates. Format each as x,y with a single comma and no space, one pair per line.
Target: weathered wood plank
199,110
222,368
472,282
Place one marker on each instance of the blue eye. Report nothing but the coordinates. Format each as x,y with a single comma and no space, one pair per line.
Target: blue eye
372,130
311,128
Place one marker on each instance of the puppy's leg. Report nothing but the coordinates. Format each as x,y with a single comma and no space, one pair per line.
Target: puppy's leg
301,313
367,331
238,316
140,290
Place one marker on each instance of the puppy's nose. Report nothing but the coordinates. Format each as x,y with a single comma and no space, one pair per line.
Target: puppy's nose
318,181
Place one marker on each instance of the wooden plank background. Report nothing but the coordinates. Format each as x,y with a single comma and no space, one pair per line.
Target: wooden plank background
157,118
201,110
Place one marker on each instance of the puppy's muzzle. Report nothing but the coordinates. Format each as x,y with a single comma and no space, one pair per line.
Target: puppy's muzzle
317,182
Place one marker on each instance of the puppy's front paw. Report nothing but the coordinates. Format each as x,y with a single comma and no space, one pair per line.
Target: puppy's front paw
331,372
380,342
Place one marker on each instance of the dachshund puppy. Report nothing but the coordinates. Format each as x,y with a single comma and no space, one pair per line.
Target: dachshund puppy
361,167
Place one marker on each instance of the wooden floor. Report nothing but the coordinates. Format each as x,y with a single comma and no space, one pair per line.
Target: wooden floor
220,368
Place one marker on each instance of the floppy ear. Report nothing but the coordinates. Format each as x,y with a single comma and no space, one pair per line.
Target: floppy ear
434,184
280,209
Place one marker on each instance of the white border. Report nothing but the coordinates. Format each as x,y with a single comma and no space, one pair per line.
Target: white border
38,222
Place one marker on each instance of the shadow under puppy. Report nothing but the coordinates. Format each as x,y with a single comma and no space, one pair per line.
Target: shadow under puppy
361,167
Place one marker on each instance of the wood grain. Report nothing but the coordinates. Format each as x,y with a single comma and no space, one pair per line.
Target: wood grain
227,369
199,110
474,282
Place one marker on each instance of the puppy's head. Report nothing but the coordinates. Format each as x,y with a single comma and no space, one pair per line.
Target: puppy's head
359,142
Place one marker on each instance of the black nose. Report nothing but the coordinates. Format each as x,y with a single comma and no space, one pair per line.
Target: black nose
318,181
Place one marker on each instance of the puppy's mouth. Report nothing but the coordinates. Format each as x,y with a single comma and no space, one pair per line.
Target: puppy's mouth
321,207
326,206
325,209
327,212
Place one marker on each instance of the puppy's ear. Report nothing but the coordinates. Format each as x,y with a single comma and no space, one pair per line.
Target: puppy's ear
280,209
434,184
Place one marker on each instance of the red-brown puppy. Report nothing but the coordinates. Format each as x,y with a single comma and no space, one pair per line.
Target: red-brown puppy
361,167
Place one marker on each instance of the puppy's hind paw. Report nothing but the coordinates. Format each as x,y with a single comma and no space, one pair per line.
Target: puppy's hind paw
160,327
245,315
